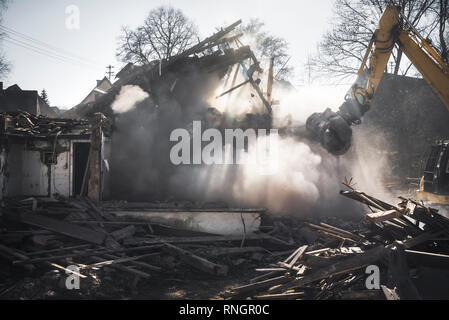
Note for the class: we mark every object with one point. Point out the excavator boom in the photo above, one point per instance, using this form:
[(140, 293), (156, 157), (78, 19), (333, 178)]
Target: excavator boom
[(428, 62), (333, 129)]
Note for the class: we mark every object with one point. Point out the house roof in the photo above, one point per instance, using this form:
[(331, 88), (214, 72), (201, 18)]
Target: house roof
[(125, 70), (102, 87), (14, 87), (21, 124), (14, 98)]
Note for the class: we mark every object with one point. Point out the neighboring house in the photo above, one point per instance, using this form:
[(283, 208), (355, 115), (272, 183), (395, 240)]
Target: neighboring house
[(101, 89), (126, 70), (14, 98)]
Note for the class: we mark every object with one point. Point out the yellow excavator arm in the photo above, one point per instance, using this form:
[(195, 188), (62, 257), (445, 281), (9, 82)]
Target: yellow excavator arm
[(333, 129), (394, 28)]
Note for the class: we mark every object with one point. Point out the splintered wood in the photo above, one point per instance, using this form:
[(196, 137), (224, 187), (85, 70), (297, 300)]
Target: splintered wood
[(383, 239)]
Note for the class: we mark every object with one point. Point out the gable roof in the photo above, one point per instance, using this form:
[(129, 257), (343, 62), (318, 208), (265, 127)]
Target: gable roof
[(101, 88), (125, 70), (14, 87)]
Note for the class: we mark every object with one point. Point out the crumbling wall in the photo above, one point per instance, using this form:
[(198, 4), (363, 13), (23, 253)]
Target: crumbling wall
[(411, 116), (26, 174)]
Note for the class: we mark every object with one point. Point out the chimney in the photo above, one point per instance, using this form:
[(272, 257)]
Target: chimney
[(1, 86)]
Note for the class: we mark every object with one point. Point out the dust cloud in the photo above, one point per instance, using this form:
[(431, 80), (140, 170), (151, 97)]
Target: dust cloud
[(307, 179), (127, 98)]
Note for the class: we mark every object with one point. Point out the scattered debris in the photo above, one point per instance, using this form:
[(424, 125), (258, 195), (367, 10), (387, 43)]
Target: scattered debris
[(337, 270), (322, 259)]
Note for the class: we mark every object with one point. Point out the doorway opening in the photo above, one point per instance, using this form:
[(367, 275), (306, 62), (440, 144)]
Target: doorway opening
[(80, 162)]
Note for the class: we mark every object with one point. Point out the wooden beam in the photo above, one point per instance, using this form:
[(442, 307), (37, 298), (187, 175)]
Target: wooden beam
[(124, 268), (354, 262), (64, 228), (382, 216), (299, 253), (427, 259), (118, 260), (196, 261), (281, 296), (94, 190), (261, 284)]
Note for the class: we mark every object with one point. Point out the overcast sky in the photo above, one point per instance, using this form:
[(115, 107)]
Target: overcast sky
[(300, 22)]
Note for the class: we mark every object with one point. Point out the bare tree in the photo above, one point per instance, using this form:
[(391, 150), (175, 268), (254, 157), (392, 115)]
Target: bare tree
[(341, 50), (441, 37), (165, 32), (268, 46), (5, 66)]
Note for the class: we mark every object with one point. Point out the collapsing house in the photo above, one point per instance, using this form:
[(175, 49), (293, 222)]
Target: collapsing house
[(177, 92), (88, 154), (52, 169)]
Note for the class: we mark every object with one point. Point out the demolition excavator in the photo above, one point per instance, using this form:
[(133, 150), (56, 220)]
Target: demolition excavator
[(333, 129)]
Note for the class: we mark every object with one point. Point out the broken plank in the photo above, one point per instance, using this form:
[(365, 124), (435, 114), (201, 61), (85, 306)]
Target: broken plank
[(347, 233), (205, 239), (263, 276), (64, 228), (295, 258), (137, 263), (349, 264), (281, 296), (126, 232), (116, 261), (196, 261), (125, 268), (271, 270), (87, 252), (382, 216), (331, 232), (261, 284), (236, 250), (67, 270), (427, 259)]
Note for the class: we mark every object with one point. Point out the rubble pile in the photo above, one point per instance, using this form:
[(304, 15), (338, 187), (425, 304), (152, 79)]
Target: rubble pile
[(331, 262), (39, 234), (293, 259)]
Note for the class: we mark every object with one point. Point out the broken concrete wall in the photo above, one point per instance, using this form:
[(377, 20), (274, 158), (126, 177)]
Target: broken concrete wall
[(27, 174)]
